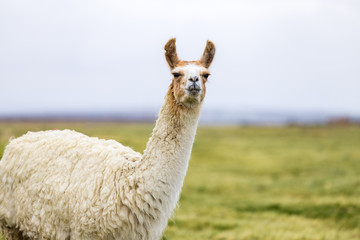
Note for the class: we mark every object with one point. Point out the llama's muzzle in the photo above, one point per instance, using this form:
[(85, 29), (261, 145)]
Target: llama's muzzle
[(194, 89)]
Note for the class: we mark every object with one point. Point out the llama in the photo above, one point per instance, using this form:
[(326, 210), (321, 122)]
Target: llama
[(66, 185)]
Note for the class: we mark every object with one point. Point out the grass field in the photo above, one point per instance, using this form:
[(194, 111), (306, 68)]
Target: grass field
[(254, 183)]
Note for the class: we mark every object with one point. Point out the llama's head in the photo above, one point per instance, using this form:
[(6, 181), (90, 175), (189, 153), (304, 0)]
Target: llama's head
[(190, 77)]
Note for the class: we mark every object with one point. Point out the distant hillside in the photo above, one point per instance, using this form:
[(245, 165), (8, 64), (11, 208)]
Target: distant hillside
[(208, 117)]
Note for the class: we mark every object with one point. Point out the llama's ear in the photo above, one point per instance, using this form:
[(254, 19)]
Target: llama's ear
[(170, 53), (208, 54)]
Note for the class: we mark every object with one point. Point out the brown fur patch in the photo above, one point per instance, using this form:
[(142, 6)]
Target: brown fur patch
[(203, 92), (176, 108), (171, 54), (13, 234), (184, 63), (208, 55)]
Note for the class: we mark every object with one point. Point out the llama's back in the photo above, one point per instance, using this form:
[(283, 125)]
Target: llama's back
[(50, 178)]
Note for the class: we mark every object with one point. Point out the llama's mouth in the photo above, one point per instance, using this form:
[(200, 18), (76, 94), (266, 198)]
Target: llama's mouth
[(194, 90)]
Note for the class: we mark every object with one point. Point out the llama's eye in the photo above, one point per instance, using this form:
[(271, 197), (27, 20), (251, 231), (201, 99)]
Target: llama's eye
[(176, 74), (206, 75)]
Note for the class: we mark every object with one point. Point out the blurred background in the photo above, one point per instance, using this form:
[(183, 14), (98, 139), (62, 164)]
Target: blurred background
[(276, 61), (277, 153)]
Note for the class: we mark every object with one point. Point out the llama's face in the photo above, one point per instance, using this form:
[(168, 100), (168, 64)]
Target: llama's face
[(189, 82), (189, 76)]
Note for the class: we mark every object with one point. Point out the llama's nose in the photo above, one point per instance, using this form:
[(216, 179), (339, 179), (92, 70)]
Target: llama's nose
[(194, 79)]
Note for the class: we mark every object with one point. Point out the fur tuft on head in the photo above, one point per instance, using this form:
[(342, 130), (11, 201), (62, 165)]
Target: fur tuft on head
[(170, 53), (208, 54)]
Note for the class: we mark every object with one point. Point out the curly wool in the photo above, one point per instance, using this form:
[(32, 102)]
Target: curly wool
[(89, 200)]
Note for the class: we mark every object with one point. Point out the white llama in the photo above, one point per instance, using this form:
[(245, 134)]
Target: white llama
[(65, 185)]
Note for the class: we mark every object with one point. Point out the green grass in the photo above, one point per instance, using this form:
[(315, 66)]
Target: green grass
[(254, 183)]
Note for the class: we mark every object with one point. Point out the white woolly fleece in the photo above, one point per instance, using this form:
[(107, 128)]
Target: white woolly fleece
[(66, 185)]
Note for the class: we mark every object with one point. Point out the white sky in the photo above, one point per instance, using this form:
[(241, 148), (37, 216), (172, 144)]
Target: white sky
[(101, 56)]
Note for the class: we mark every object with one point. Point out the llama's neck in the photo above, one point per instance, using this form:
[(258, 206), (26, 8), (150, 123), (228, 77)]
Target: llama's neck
[(166, 157)]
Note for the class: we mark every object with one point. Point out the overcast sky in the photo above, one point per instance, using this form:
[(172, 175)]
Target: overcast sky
[(107, 56)]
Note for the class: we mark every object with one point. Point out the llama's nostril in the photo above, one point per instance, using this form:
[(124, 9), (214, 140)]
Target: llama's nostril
[(194, 79)]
